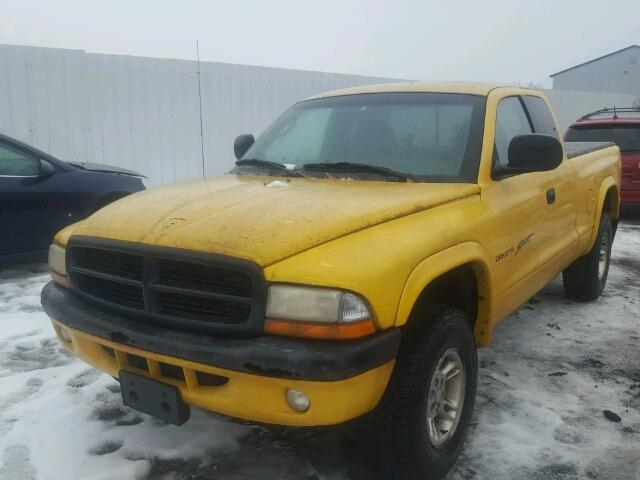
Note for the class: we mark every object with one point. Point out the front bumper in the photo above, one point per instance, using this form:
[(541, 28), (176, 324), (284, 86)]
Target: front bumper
[(342, 379)]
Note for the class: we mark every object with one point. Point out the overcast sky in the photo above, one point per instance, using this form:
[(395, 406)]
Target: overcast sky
[(503, 40)]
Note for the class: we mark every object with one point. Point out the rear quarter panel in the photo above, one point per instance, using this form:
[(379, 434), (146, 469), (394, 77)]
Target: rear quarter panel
[(596, 173)]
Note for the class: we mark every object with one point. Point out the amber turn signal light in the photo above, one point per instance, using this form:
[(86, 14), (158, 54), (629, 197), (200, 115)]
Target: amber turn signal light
[(57, 265), (321, 331), (62, 280)]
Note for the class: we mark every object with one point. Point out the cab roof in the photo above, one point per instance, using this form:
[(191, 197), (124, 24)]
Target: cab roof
[(472, 88)]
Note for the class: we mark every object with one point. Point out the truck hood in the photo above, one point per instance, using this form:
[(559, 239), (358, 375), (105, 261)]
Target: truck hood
[(263, 219)]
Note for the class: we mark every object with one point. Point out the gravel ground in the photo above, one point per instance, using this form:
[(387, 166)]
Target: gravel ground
[(553, 367)]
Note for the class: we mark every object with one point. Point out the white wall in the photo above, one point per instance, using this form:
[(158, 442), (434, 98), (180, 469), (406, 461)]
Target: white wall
[(142, 113), (569, 105)]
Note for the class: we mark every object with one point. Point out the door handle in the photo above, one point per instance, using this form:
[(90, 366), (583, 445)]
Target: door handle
[(551, 196)]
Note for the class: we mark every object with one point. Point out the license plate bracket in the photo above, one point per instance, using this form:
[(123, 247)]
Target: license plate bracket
[(155, 398)]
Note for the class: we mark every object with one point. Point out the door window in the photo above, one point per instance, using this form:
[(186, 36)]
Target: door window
[(511, 120), (14, 163), (540, 115)]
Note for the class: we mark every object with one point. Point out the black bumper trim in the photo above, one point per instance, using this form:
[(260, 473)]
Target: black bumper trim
[(267, 355)]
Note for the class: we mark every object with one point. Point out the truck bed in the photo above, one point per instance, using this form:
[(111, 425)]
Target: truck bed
[(580, 148)]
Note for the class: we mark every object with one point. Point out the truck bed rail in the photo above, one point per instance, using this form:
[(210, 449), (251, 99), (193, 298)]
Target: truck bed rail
[(580, 148)]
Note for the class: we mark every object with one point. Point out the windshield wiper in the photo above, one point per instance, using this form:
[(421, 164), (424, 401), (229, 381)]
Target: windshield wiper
[(256, 162), (358, 168)]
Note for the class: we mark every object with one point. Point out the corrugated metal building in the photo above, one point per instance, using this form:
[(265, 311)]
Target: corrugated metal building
[(143, 113), (617, 72), (570, 105)]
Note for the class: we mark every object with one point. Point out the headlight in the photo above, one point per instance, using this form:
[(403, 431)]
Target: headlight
[(311, 304), (317, 312), (57, 265)]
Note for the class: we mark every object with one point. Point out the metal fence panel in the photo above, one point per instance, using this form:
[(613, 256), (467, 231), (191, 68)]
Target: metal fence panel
[(143, 113)]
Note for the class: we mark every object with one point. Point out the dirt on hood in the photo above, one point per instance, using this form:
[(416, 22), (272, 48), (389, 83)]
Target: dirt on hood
[(263, 219)]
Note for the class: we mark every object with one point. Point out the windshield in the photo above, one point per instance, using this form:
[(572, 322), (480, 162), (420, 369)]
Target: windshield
[(627, 137), (423, 136)]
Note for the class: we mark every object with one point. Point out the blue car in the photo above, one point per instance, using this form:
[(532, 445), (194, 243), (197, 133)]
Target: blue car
[(40, 194)]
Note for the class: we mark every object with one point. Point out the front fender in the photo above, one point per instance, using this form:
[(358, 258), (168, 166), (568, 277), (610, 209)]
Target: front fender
[(62, 236), (467, 253)]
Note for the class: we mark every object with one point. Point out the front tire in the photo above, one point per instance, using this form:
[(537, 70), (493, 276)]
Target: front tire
[(422, 420), (586, 277)]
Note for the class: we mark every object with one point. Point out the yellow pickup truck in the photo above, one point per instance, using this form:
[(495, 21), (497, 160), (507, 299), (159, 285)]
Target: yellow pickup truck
[(350, 263)]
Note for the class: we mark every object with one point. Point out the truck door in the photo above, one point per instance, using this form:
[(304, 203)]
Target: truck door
[(525, 214), (562, 207)]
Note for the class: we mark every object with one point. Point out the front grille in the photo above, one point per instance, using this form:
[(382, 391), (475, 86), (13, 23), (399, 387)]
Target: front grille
[(137, 362), (201, 308), (182, 290), (153, 368), (210, 380), (112, 291), (109, 262), (171, 371), (203, 277)]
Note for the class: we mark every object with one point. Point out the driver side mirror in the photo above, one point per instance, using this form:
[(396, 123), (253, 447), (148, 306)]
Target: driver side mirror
[(46, 169), (242, 144), (533, 152)]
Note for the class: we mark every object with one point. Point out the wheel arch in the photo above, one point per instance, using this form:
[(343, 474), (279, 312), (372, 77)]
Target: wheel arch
[(608, 202), (458, 276)]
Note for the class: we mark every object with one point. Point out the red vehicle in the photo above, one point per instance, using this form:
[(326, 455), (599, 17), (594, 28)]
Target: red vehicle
[(622, 127)]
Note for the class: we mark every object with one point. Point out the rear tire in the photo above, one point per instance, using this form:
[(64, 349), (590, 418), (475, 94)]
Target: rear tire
[(586, 277), (421, 393)]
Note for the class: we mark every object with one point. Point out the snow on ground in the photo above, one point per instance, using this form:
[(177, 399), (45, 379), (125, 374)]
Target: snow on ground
[(553, 367)]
